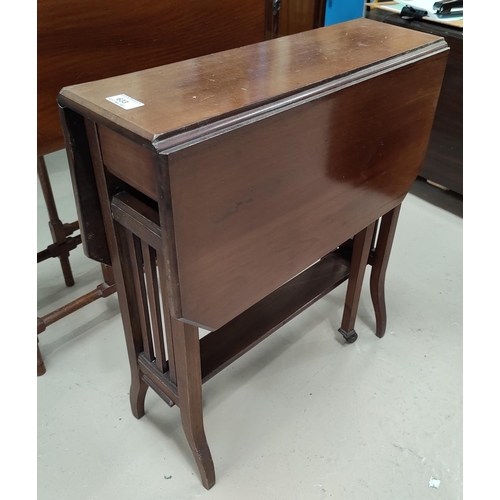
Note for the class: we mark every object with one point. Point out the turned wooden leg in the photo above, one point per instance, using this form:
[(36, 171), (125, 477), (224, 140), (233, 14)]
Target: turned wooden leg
[(188, 369), (379, 268), (57, 228), (359, 261), (40, 364)]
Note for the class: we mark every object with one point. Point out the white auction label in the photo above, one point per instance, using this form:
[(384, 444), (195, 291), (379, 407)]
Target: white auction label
[(125, 101)]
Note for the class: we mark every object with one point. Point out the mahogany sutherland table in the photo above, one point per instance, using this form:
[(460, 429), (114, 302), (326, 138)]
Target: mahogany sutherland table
[(233, 190)]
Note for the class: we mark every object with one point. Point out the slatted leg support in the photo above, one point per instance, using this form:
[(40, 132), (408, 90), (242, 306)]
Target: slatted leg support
[(133, 312), (153, 336)]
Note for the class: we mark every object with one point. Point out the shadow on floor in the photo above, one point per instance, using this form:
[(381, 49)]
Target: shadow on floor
[(447, 200)]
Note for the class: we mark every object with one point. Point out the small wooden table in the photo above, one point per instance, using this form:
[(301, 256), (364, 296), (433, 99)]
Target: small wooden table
[(231, 191)]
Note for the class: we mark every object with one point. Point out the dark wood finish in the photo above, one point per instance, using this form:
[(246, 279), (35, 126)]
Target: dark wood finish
[(443, 163), (296, 16), (160, 382), (59, 250), (137, 266), (444, 160), (143, 220), (162, 270), (362, 182), (225, 345), (116, 239), (319, 13), (149, 256), (62, 244), (102, 290), (188, 368), (130, 307), (220, 348), (266, 192), (361, 250), (293, 69), (81, 42), (379, 268), (243, 177)]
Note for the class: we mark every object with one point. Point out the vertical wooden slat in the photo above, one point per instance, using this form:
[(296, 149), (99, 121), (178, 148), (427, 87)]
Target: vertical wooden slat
[(168, 320), (136, 263), (149, 257)]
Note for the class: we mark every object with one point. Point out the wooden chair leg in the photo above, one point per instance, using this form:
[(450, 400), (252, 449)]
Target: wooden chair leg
[(359, 261), (379, 268), (188, 371)]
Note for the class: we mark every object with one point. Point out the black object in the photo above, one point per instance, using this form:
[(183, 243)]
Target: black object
[(449, 8), (408, 12)]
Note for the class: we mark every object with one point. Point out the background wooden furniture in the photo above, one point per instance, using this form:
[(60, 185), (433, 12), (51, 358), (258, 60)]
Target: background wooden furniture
[(296, 16), (84, 41), (242, 189), (444, 160)]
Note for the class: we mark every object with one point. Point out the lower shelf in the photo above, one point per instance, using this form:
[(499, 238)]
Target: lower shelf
[(223, 346)]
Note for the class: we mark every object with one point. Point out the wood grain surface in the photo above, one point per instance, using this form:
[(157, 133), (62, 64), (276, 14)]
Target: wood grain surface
[(254, 207), (188, 94)]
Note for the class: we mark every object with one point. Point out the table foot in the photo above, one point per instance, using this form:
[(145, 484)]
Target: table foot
[(199, 446), (138, 391), (350, 337), (359, 260), (188, 367)]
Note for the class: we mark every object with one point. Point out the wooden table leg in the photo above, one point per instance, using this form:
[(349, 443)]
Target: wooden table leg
[(57, 228), (379, 268), (130, 306), (360, 254), (40, 364), (188, 371)]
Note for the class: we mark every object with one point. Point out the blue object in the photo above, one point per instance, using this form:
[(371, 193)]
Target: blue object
[(338, 11)]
